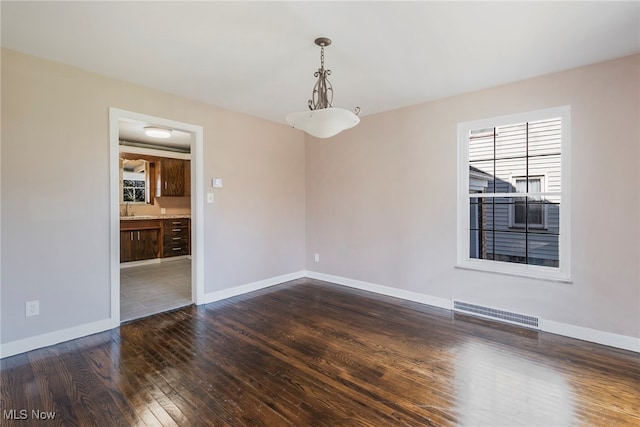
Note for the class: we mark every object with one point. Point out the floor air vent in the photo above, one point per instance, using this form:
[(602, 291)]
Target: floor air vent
[(492, 313)]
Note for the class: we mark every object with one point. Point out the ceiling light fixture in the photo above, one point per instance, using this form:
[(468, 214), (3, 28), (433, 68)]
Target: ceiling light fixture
[(157, 132), (323, 121)]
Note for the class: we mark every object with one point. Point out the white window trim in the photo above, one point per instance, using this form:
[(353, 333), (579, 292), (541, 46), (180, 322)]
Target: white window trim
[(559, 274)]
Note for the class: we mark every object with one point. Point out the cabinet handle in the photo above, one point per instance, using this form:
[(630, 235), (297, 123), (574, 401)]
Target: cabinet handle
[(177, 238), (176, 249), (177, 229), (165, 185), (176, 223), (138, 235), (131, 233)]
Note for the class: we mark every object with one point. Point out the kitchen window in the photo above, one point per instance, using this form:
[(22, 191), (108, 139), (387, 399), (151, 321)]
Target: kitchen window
[(513, 194), (135, 181), (133, 191)]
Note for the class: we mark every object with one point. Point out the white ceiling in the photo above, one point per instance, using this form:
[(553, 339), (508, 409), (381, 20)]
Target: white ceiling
[(259, 58)]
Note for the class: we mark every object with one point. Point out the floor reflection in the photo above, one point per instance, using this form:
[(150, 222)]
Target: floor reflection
[(495, 387)]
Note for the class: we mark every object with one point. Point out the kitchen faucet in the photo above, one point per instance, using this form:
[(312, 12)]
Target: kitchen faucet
[(126, 210)]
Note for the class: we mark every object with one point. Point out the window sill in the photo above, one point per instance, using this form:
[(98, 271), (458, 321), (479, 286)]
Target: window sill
[(527, 272)]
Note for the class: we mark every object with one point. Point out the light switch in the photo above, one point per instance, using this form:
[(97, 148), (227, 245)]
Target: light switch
[(216, 182), (209, 197)]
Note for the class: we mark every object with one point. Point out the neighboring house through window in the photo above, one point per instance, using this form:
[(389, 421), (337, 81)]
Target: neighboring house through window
[(513, 194), (529, 211)]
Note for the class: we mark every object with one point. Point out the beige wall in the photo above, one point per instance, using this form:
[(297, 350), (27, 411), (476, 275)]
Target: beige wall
[(381, 199), (55, 227), (378, 202)]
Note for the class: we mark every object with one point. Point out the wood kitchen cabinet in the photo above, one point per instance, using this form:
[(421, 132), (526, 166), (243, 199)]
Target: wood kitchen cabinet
[(176, 237), (170, 178), (139, 240), (187, 177)]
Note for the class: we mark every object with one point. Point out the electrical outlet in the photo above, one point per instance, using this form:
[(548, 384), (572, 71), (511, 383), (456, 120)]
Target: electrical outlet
[(317, 258), (32, 308)]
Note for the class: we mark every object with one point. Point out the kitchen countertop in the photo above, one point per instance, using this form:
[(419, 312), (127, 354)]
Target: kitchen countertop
[(140, 217)]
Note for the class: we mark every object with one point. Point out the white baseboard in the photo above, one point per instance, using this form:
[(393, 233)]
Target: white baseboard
[(44, 340), (592, 335), (384, 290), (153, 261), (140, 263), (572, 331), (586, 334), (51, 338), (250, 287)]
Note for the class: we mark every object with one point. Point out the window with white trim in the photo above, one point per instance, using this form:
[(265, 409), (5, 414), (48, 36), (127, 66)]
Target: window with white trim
[(513, 194), (135, 181)]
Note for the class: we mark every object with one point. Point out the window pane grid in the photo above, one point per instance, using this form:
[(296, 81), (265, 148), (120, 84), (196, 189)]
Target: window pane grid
[(515, 200)]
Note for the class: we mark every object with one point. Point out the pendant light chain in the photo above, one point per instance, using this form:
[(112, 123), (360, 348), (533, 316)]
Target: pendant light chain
[(322, 96)]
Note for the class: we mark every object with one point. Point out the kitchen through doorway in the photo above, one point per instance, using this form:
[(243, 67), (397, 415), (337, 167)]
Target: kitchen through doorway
[(154, 233)]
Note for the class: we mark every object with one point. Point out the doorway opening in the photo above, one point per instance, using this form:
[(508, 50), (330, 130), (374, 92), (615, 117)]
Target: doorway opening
[(156, 216)]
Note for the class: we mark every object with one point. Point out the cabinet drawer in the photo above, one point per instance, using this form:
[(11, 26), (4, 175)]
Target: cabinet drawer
[(139, 224), (176, 223), (176, 232), (175, 248), (179, 250), (175, 237)]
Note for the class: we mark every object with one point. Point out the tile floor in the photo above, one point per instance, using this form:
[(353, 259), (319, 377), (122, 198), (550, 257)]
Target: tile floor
[(153, 288)]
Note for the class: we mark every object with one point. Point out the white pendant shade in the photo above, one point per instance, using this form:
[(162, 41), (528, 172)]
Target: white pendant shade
[(324, 122)]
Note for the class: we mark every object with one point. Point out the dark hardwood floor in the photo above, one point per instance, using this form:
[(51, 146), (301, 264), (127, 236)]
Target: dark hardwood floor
[(312, 353)]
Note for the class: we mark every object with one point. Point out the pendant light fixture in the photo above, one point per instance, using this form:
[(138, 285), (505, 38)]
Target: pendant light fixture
[(323, 120)]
